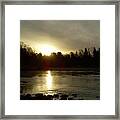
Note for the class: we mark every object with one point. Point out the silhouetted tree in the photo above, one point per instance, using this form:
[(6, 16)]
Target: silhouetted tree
[(29, 60)]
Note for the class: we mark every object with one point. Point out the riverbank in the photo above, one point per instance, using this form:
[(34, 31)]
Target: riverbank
[(60, 96)]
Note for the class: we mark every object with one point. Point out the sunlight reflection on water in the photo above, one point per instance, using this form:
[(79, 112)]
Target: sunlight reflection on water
[(82, 83), (49, 80)]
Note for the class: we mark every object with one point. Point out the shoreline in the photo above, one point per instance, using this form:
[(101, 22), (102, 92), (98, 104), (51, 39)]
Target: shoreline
[(57, 96), (64, 69)]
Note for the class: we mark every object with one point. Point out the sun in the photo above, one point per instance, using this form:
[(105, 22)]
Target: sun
[(46, 49)]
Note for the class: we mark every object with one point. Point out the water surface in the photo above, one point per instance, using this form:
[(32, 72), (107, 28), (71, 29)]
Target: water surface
[(84, 83)]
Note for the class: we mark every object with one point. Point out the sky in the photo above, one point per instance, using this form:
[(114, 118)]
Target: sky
[(61, 35)]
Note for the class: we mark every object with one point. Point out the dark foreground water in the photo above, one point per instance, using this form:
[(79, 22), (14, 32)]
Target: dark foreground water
[(77, 84)]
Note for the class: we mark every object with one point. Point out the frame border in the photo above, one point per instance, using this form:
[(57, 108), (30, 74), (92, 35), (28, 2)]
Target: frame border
[(55, 2)]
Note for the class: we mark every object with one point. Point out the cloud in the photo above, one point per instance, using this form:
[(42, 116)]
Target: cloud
[(68, 34)]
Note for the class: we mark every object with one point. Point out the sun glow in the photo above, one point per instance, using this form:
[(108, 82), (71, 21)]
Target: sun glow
[(46, 49)]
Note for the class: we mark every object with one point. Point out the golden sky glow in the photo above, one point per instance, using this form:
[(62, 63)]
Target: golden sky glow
[(45, 49), (46, 36)]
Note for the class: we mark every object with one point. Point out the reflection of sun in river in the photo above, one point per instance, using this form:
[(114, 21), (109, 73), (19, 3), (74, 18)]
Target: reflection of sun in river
[(49, 80)]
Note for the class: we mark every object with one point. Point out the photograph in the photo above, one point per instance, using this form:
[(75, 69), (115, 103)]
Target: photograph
[(59, 59)]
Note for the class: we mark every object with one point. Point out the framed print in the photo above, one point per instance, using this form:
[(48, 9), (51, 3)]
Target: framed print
[(60, 59)]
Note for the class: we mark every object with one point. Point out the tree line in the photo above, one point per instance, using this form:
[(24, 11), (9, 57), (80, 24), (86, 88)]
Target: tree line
[(30, 60)]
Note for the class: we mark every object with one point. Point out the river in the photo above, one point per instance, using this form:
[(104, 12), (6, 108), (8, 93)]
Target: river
[(85, 83)]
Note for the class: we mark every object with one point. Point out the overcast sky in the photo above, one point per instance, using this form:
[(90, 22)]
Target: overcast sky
[(65, 35)]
